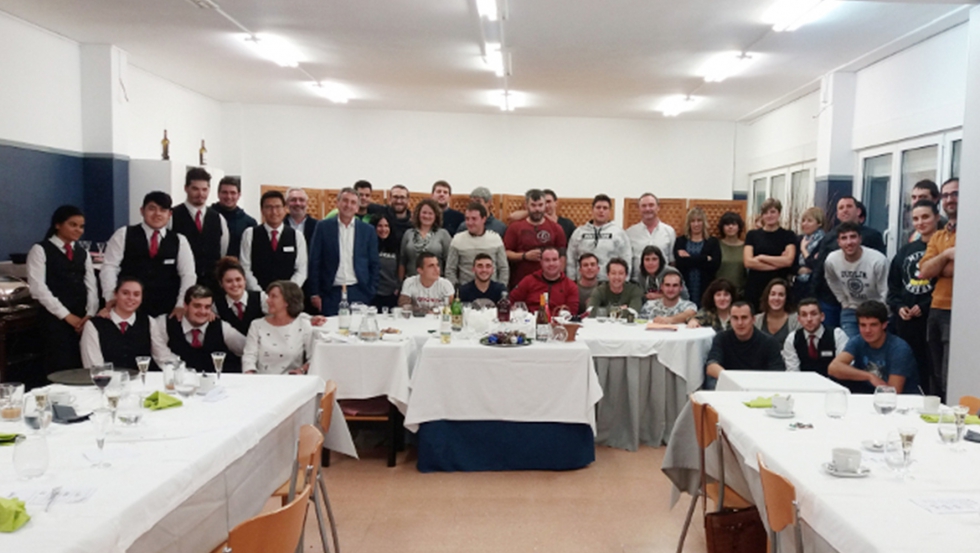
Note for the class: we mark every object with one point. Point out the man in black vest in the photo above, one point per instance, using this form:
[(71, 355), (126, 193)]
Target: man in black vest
[(195, 337), (814, 346), (296, 201), (161, 260), (273, 250), (124, 334), (205, 230)]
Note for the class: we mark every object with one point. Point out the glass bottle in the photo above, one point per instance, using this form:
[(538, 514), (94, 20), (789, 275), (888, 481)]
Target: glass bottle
[(446, 324), (542, 323), (203, 154), (369, 330), (503, 308), (166, 146), (343, 312), (457, 313)]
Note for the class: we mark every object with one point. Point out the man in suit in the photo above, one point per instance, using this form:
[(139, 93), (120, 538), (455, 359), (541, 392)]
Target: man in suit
[(206, 231), (344, 251), (299, 220)]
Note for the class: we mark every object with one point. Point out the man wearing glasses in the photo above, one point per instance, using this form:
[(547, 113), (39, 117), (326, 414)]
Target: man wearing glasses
[(273, 250), (938, 263), (398, 211)]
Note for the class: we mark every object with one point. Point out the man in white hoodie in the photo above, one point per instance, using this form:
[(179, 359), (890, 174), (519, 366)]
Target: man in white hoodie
[(600, 237)]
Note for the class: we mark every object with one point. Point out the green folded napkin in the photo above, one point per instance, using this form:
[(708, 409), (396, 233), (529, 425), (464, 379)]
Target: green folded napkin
[(8, 439), (970, 419), (760, 403), (13, 514), (160, 400)]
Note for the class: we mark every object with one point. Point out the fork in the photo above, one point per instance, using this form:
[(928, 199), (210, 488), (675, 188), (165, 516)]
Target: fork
[(51, 498)]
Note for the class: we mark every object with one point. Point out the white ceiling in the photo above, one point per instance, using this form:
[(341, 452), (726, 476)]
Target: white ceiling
[(615, 58)]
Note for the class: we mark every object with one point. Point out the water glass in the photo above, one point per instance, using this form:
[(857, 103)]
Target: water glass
[(101, 420), (11, 401), (130, 411), (946, 426), (37, 410), (885, 399), (30, 456), (835, 403), (187, 382), (602, 314)]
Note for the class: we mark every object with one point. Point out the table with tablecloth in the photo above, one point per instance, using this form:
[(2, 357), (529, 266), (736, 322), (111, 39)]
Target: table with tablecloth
[(178, 482), (480, 407), (364, 370)]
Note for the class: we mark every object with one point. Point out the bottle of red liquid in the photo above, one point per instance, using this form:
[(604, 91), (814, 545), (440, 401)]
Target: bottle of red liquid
[(503, 308)]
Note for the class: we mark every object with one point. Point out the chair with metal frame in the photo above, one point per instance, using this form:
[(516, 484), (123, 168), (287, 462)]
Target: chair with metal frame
[(278, 531), (781, 506)]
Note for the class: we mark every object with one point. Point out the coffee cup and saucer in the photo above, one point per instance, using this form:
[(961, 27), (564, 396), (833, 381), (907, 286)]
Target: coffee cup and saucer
[(846, 463), (930, 405), (782, 407)]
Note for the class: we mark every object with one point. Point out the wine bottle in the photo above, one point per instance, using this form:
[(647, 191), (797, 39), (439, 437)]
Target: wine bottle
[(166, 146), (457, 313), (503, 308), (203, 154), (542, 323), (343, 312), (446, 323)]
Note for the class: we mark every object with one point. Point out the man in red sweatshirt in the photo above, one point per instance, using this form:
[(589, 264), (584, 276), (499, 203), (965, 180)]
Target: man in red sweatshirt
[(562, 291)]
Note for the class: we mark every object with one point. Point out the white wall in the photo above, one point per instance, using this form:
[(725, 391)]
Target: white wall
[(918, 91), (577, 157), (785, 136), (40, 87)]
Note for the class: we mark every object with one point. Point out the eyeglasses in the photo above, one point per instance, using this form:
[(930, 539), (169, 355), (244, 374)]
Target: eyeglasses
[(953, 194)]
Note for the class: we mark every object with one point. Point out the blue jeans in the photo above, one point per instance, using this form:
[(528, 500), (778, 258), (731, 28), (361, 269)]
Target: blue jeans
[(831, 314), (849, 322)]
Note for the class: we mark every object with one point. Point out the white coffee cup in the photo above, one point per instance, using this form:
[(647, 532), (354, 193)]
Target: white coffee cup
[(396, 312), (208, 380), (846, 459), (930, 404), (782, 404), (61, 397)]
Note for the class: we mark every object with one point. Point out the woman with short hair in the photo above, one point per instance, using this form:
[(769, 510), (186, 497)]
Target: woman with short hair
[(238, 307), (731, 228), (716, 306), (282, 341), (811, 237), (697, 254), (426, 235), (770, 251)]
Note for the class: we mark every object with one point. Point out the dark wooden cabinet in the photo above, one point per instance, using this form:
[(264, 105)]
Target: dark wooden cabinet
[(22, 347)]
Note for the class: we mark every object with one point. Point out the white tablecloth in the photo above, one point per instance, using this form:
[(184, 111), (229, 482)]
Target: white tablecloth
[(364, 370), (178, 482), (775, 381), (871, 514), (543, 382)]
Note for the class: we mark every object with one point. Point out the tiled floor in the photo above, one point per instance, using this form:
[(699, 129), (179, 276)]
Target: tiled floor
[(618, 504)]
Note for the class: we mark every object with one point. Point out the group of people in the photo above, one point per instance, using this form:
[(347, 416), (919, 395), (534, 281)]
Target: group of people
[(192, 277)]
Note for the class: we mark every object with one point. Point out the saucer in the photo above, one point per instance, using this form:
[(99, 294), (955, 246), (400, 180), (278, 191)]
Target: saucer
[(773, 413), (922, 411), (831, 470), (872, 445)]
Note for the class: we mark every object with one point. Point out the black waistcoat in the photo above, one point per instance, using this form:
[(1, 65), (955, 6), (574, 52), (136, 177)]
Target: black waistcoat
[(122, 349), (66, 279), (252, 311), (161, 281), (826, 351), (205, 244), (199, 359), (268, 265)]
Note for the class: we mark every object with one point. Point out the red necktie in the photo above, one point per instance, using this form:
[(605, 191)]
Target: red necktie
[(275, 240), (197, 221), (154, 244), (123, 326), (813, 346), (69, 252), (241, 311), (196, 338)]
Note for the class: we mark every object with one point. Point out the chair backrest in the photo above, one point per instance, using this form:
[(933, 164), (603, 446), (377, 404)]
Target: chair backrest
[(779, 495), (705, 423), (310, 447), (278, 531), (973, 402), (326, 405)]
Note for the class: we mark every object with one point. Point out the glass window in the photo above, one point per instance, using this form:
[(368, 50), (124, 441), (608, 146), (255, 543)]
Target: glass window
[(799, 197), (954, 169), (917, 165), (877, 178), (758, 194), (777, 190)]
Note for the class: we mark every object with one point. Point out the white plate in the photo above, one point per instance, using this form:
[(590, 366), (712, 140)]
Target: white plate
[(861, 473), (773, 413), (872, 445)]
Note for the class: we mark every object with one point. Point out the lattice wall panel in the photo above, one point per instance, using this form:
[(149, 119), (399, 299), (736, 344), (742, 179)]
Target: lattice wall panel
[(673, 211), (631, 212), (459, 203), (510, 203), (714, 209), (378, 197)]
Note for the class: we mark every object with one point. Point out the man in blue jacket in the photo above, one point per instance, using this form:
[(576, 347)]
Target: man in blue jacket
[(344, 252)]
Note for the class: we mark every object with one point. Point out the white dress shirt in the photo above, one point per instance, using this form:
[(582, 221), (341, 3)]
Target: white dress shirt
[(298, 227), (792, 361), (116, 248), (193, 209), (234, 340), (663, 236), (244, 301), (92, 346), (273, 349), (37, 279), (345, 270), (245, 256)]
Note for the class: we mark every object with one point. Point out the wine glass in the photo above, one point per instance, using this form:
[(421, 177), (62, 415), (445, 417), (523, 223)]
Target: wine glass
[(101, 376), (143, 364), (218, 358), (100, 246), (30, 456), (835, 403), (907, 436), (101, 418), (118, 383), (86, 245)]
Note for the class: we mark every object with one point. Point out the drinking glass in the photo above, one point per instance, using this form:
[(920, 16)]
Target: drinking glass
[(130, 411), (946, 426), (835, 403), (37, 411), (101, 419), (218, 358), (101, 247), (187, 383), (885, 399), (894, 455), (11, 401), (30, 456), (601, 314), (101, 376), (143, 364), (118, 383), (86, 245), (907, 436)]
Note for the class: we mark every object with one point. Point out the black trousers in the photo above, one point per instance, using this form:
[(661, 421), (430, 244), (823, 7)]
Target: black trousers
[(937, 333)]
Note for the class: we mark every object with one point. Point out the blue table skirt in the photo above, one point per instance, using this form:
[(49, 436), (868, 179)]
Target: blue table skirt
[(501, 445)]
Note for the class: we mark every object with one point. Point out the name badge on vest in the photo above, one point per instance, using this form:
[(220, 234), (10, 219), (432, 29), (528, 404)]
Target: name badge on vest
[(169, 261), (288, 249), (827, 353)]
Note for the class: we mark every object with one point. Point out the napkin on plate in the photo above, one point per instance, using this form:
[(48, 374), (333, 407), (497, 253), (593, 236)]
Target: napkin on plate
[(13, 514), (759, 403), (159, 400), (970, 419), (8, 439)]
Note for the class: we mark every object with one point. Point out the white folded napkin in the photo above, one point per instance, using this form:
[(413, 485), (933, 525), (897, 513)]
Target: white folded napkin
[(393, 337), (216, 394), (335, 337)]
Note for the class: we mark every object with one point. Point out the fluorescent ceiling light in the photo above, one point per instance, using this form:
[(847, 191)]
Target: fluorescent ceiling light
[(790, 15), (675, 105), (494, 57), (508, 100), (274, 49), (336, 93), (725, 65), (487, 9)]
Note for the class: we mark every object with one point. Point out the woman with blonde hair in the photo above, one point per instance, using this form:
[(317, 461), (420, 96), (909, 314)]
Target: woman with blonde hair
[(770, 251), (697, 254), (426, 235), (811, 236)]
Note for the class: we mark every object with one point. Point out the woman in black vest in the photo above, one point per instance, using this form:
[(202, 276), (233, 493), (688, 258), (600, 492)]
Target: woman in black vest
[(61, 278), (237, 306), (124, 334)]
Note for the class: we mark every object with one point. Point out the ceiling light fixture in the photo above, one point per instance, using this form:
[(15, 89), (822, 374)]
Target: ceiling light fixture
[(675, 105), (336, 93), (494, 58), (508, 100), (725, 65), (487, 9), (274, 49), (790, 15)]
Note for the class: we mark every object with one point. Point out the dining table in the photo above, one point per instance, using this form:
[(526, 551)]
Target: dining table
[(176, 482)]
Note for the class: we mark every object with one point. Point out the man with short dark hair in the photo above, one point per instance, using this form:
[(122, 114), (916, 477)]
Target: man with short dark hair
[(741, 347), (482, 196), (161, 260), (229, 192), (650, 231), (197, 335), (442, 193), (205, 230), (550, 213), (814, 346), (299, 220), (273, 250), (527, 238), (550, 279), (588, 279), (875, 357), (426, 290), (365, 208), (855, 274), (398, 212), (670, 308), (600, 236), (477, 239), (482, 285), (938, 262)]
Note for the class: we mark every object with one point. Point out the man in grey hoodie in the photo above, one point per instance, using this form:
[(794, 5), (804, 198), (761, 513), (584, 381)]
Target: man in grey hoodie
[(600, 237)]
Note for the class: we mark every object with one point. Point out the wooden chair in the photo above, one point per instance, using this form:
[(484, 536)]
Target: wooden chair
[(376, 411), (973, 402), (278, 531), (706, 430), (781, 507)]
